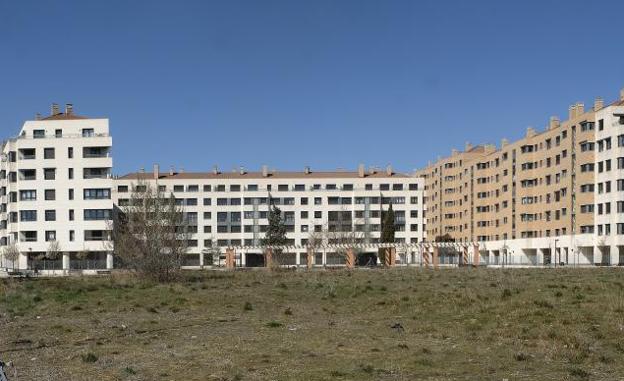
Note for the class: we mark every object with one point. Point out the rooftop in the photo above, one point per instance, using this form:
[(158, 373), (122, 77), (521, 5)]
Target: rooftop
[(262, 175)]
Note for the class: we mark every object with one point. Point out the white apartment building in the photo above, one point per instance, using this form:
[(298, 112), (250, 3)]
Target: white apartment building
[(55, 186), (230, 209), (609, 187)]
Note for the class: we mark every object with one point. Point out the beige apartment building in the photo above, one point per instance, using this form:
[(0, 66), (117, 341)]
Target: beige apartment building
[(533, 194)]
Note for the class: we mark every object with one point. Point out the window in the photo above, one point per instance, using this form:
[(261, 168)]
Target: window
[(72, 236), (252, 187), (178, 188), (50, 215), (58, 133), (71, 214), (370, 186), (97, 214), (192, 188), (97, 194), (71, 194), (28, 215), (71, 173), (413, 187), (28, 195), (38, 134), (88, 132), (282, 187), (95, 235), (49, 173), (70, 152), (49, 194), (384, 187), (318, 214), (48, 153), (207, 201), (28, 236), (397, 187), (207, 188), (122, 188), (50, 235), (331, 187)]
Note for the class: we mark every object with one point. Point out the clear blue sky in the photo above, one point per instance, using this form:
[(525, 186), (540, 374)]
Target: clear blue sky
[(292, 83)]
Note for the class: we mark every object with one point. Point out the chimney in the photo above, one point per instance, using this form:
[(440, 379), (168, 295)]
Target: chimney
[(215, 170), (530, 132), (598, 104), (55, 109), (554, 122), (37, 116), (572, 112), (580, 108), (171, 171), (265, 171), (142, 170), (454, 152), (156, 171), (622, 95), (389, 170), (69, 109), (467, 147), (361, 170), (306, 170), (504, 142), (241, 170)]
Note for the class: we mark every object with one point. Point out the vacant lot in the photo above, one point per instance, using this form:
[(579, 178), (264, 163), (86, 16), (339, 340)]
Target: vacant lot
[(401, 324)]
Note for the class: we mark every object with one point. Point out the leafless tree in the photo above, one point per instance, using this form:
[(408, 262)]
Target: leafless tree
[(11, 253), (341, 233), (150, 234), (54, 250)]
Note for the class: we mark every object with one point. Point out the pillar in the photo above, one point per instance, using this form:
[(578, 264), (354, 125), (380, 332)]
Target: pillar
[(109, 261), (201, 259), (597, 255), (425, 257), (615, 255), (310, 258), (464, 260), (475, 253), (350, 258), (22, 261), (297, 259), (268, 257), (436, 257), (65, 261), (229, 258), (324, 258), (540, 257)]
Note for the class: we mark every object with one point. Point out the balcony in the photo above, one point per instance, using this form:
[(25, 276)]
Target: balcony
[(96, 152)]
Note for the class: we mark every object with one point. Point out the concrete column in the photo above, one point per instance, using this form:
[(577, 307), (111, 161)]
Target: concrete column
[(109, 261), (22, 261), (597, 255), (391, 255), (436, 257), (464, 260), (243, 259), (476, 257), (297, 259), (615, 255), (310, 258), (201, 259), (324, 257), (65, 261), (540, 257)]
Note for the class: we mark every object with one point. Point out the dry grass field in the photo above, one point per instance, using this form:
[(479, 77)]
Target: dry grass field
[(400, 324)]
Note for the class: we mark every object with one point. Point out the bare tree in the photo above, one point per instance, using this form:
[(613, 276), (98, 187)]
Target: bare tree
[(150, 234), (54, 250), (11, 253), (342, 233)]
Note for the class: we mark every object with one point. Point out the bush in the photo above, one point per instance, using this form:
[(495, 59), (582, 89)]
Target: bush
[(89, 357)]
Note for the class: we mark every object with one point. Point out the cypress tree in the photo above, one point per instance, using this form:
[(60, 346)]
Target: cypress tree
[(387, 226)]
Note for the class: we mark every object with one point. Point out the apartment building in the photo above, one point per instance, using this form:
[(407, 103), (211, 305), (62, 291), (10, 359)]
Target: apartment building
[(55, 187), (230, 209), (534, 200)]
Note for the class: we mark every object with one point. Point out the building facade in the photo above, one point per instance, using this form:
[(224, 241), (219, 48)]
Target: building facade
[(549, 197), (55, 192), (230, 209)]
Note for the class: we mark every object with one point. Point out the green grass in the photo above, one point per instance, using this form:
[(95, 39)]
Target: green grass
[(400, 324)]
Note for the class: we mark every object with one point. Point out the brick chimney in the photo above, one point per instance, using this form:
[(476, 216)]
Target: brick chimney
[(467, 147), (361, 170), (55, 109), (572, 112), (389, 170), (554, 122), (598, 104), (156, 171), (265, 171), (580, 108)]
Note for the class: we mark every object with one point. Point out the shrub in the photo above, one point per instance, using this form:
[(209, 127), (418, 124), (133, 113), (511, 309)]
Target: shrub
[(89, 357), (248, 307)]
